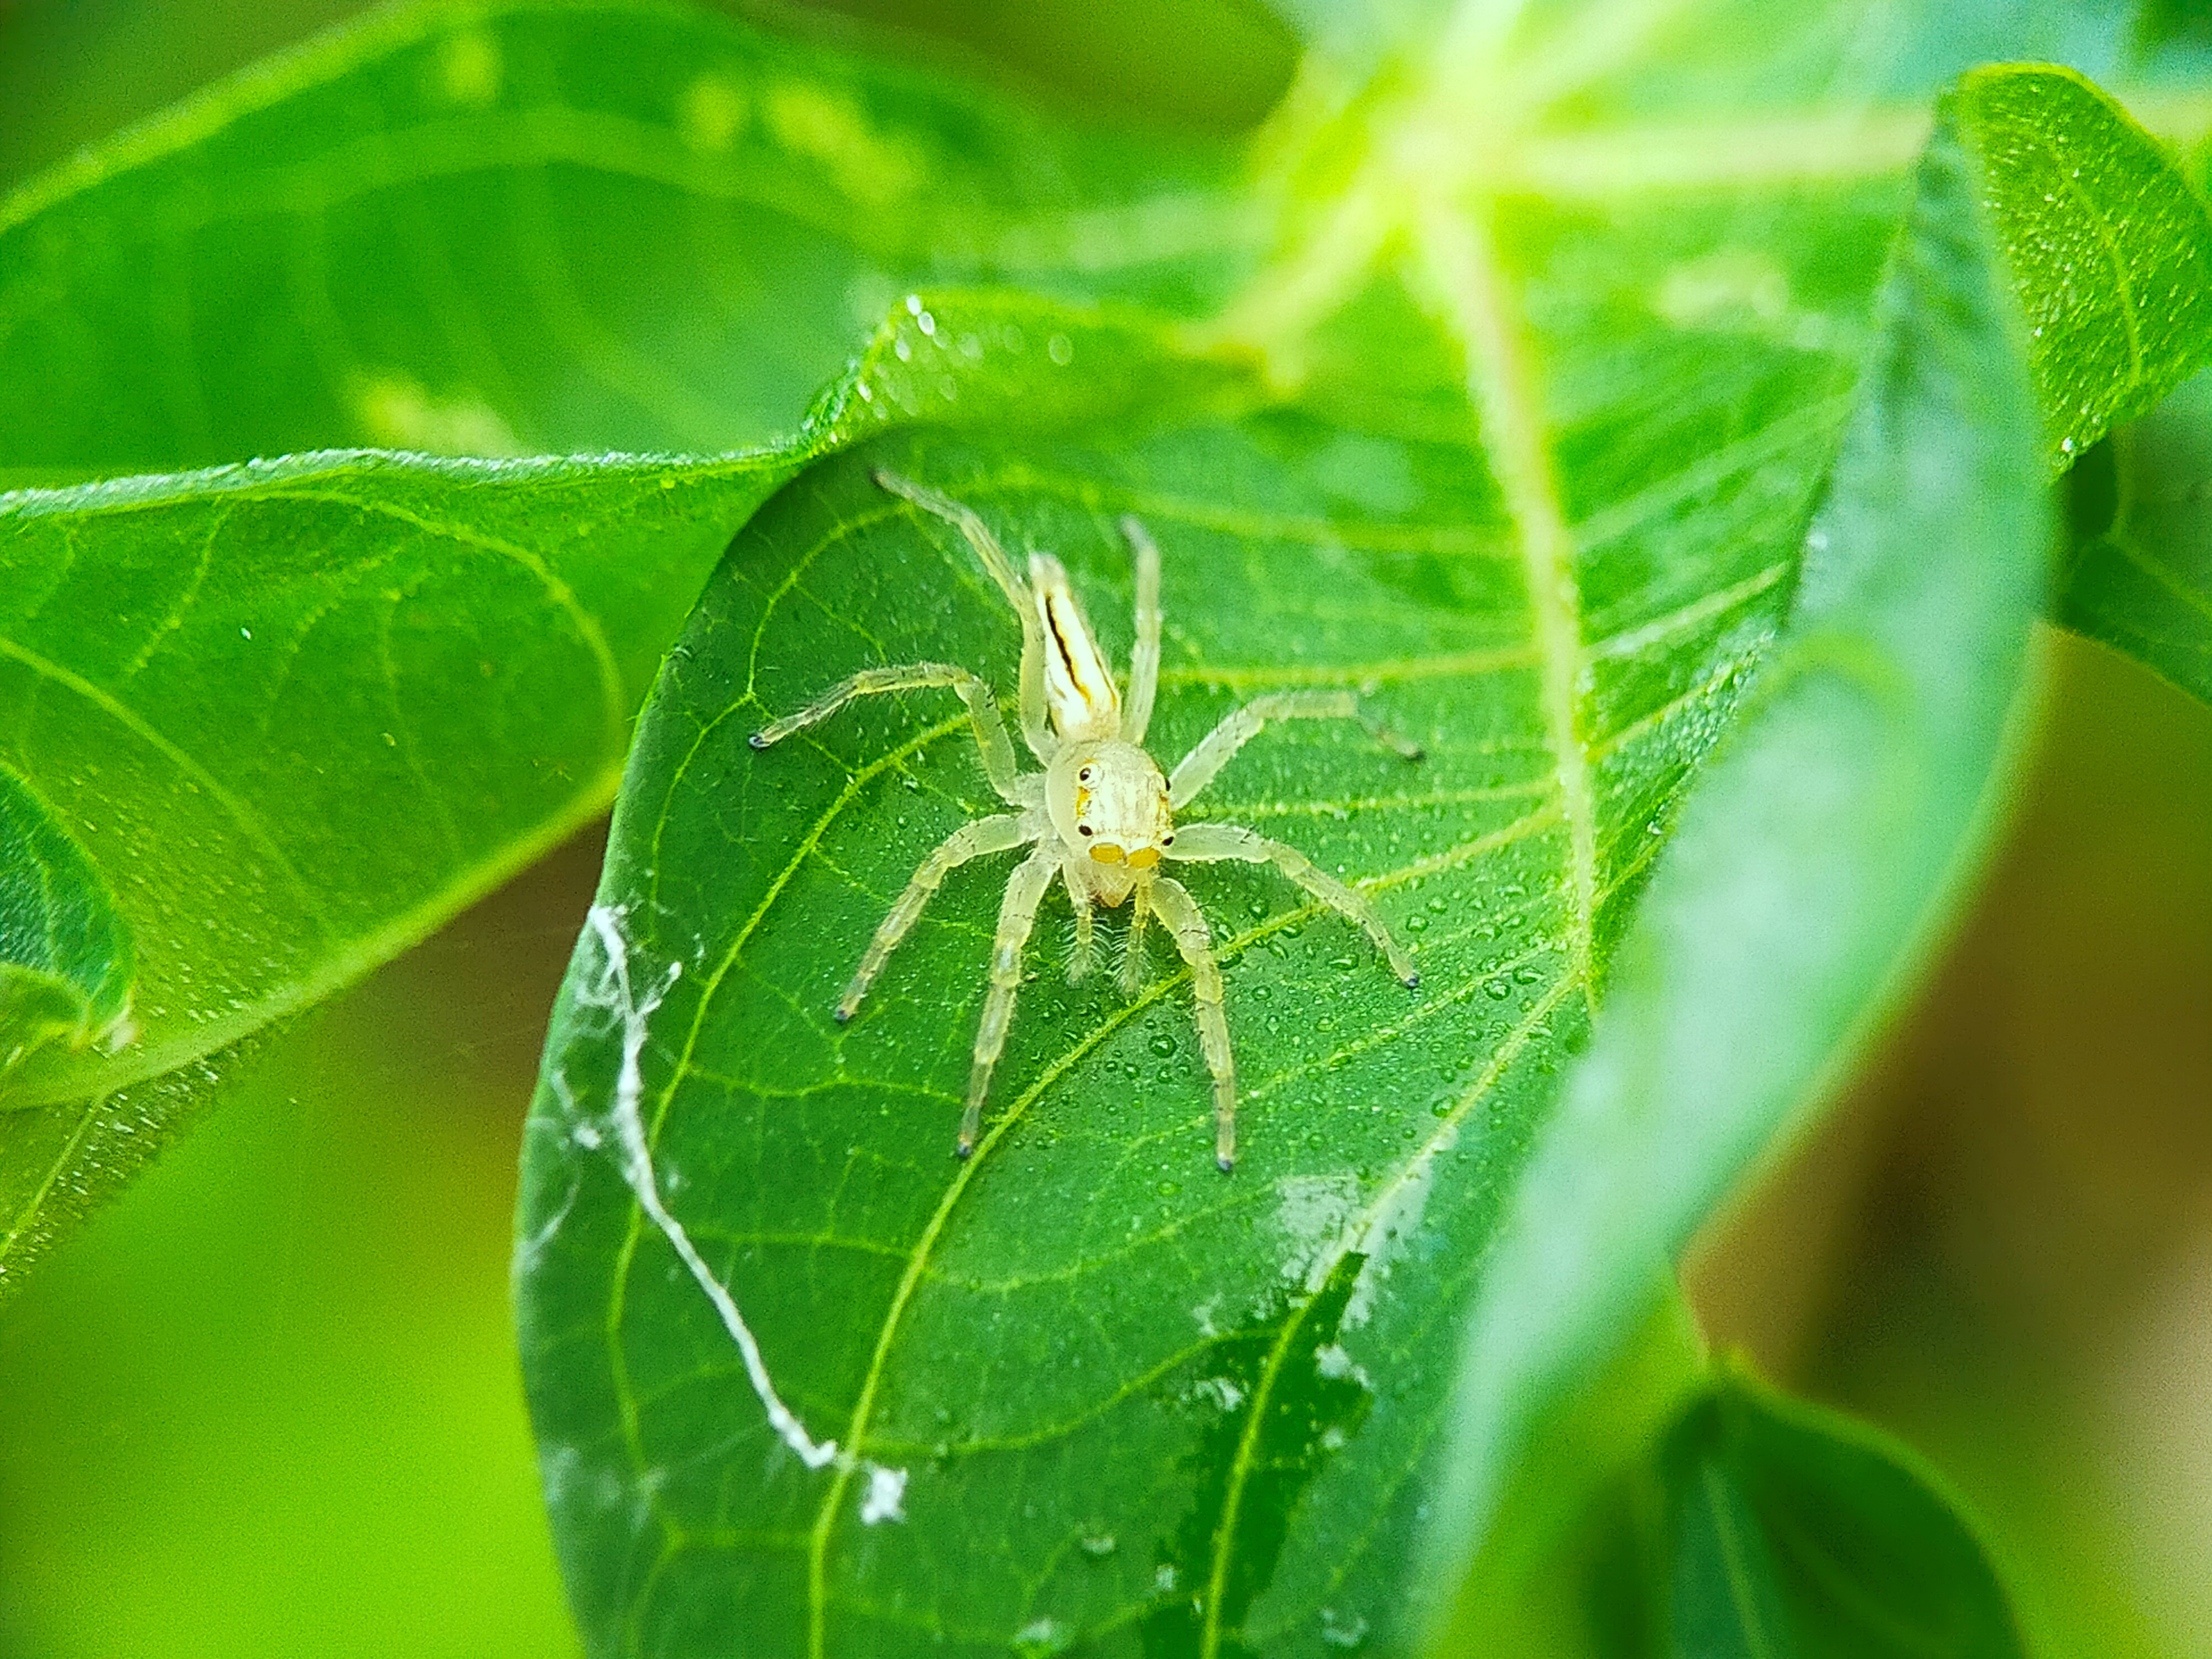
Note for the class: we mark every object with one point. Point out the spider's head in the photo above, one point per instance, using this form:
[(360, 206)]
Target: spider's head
[(1109, 805)]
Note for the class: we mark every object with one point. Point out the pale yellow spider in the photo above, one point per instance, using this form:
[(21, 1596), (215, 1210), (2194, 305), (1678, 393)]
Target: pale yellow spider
[(1101, 813)]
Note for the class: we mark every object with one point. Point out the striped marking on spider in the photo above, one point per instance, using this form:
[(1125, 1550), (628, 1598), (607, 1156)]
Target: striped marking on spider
[(1100, 815)]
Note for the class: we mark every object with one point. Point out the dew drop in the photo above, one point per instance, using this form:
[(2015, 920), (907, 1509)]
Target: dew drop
[(1497, 990), (1163, 1045)]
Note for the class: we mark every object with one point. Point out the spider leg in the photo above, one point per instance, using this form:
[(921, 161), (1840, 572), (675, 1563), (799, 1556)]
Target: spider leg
[(1180, 913), (1213, 843), (1213, 752), (1085, 956), (982, 715), (1036, 729), (1000, 833), (1145, 655), (1024, 889), (1132, 976)]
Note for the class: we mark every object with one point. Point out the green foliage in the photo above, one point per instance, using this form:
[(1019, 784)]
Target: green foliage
[(64, 954), (1510, 377), (446, 206), (1125, 1404), (298, 713), (1789, 1531), (952, 1318), (2109, 246), (1820, 845), (2142, 580)]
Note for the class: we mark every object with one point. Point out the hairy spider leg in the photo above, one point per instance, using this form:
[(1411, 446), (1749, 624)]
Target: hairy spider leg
[(1085, 956), (1016, 914), (1132, 976), (1212, 751), (1036, 732), (1144, 654), (1206, 843), (1000, 833), (1180, 913), (983, 715)]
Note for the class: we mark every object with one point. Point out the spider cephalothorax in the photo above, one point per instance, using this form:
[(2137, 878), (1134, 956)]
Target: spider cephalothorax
[(1101, 814)]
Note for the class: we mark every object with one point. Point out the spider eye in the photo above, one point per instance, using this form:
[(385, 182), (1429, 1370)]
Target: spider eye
[(1084, 776), (1082, 829)]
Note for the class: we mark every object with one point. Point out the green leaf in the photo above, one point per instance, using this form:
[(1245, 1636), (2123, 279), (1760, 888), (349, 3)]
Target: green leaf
[(65, 955), (1792, 1533), (376, 689), (1817, 856), (2110, 248), (299, 712), (947, 1320), (530, 228), (2142, 583)]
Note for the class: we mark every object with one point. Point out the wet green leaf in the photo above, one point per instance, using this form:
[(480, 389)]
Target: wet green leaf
[(2109, 246), (1792, 1533)]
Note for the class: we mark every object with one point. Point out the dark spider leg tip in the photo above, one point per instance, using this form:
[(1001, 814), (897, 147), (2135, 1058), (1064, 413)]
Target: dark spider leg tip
[(1413, 982), (1226, 1165), (963, 1150), (842, 1015), (758, 741)]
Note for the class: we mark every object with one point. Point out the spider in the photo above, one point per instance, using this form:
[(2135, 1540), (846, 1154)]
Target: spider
[(1101, 814)]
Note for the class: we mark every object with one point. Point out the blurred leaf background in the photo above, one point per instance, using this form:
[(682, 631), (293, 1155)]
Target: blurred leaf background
[(267, 1403)]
